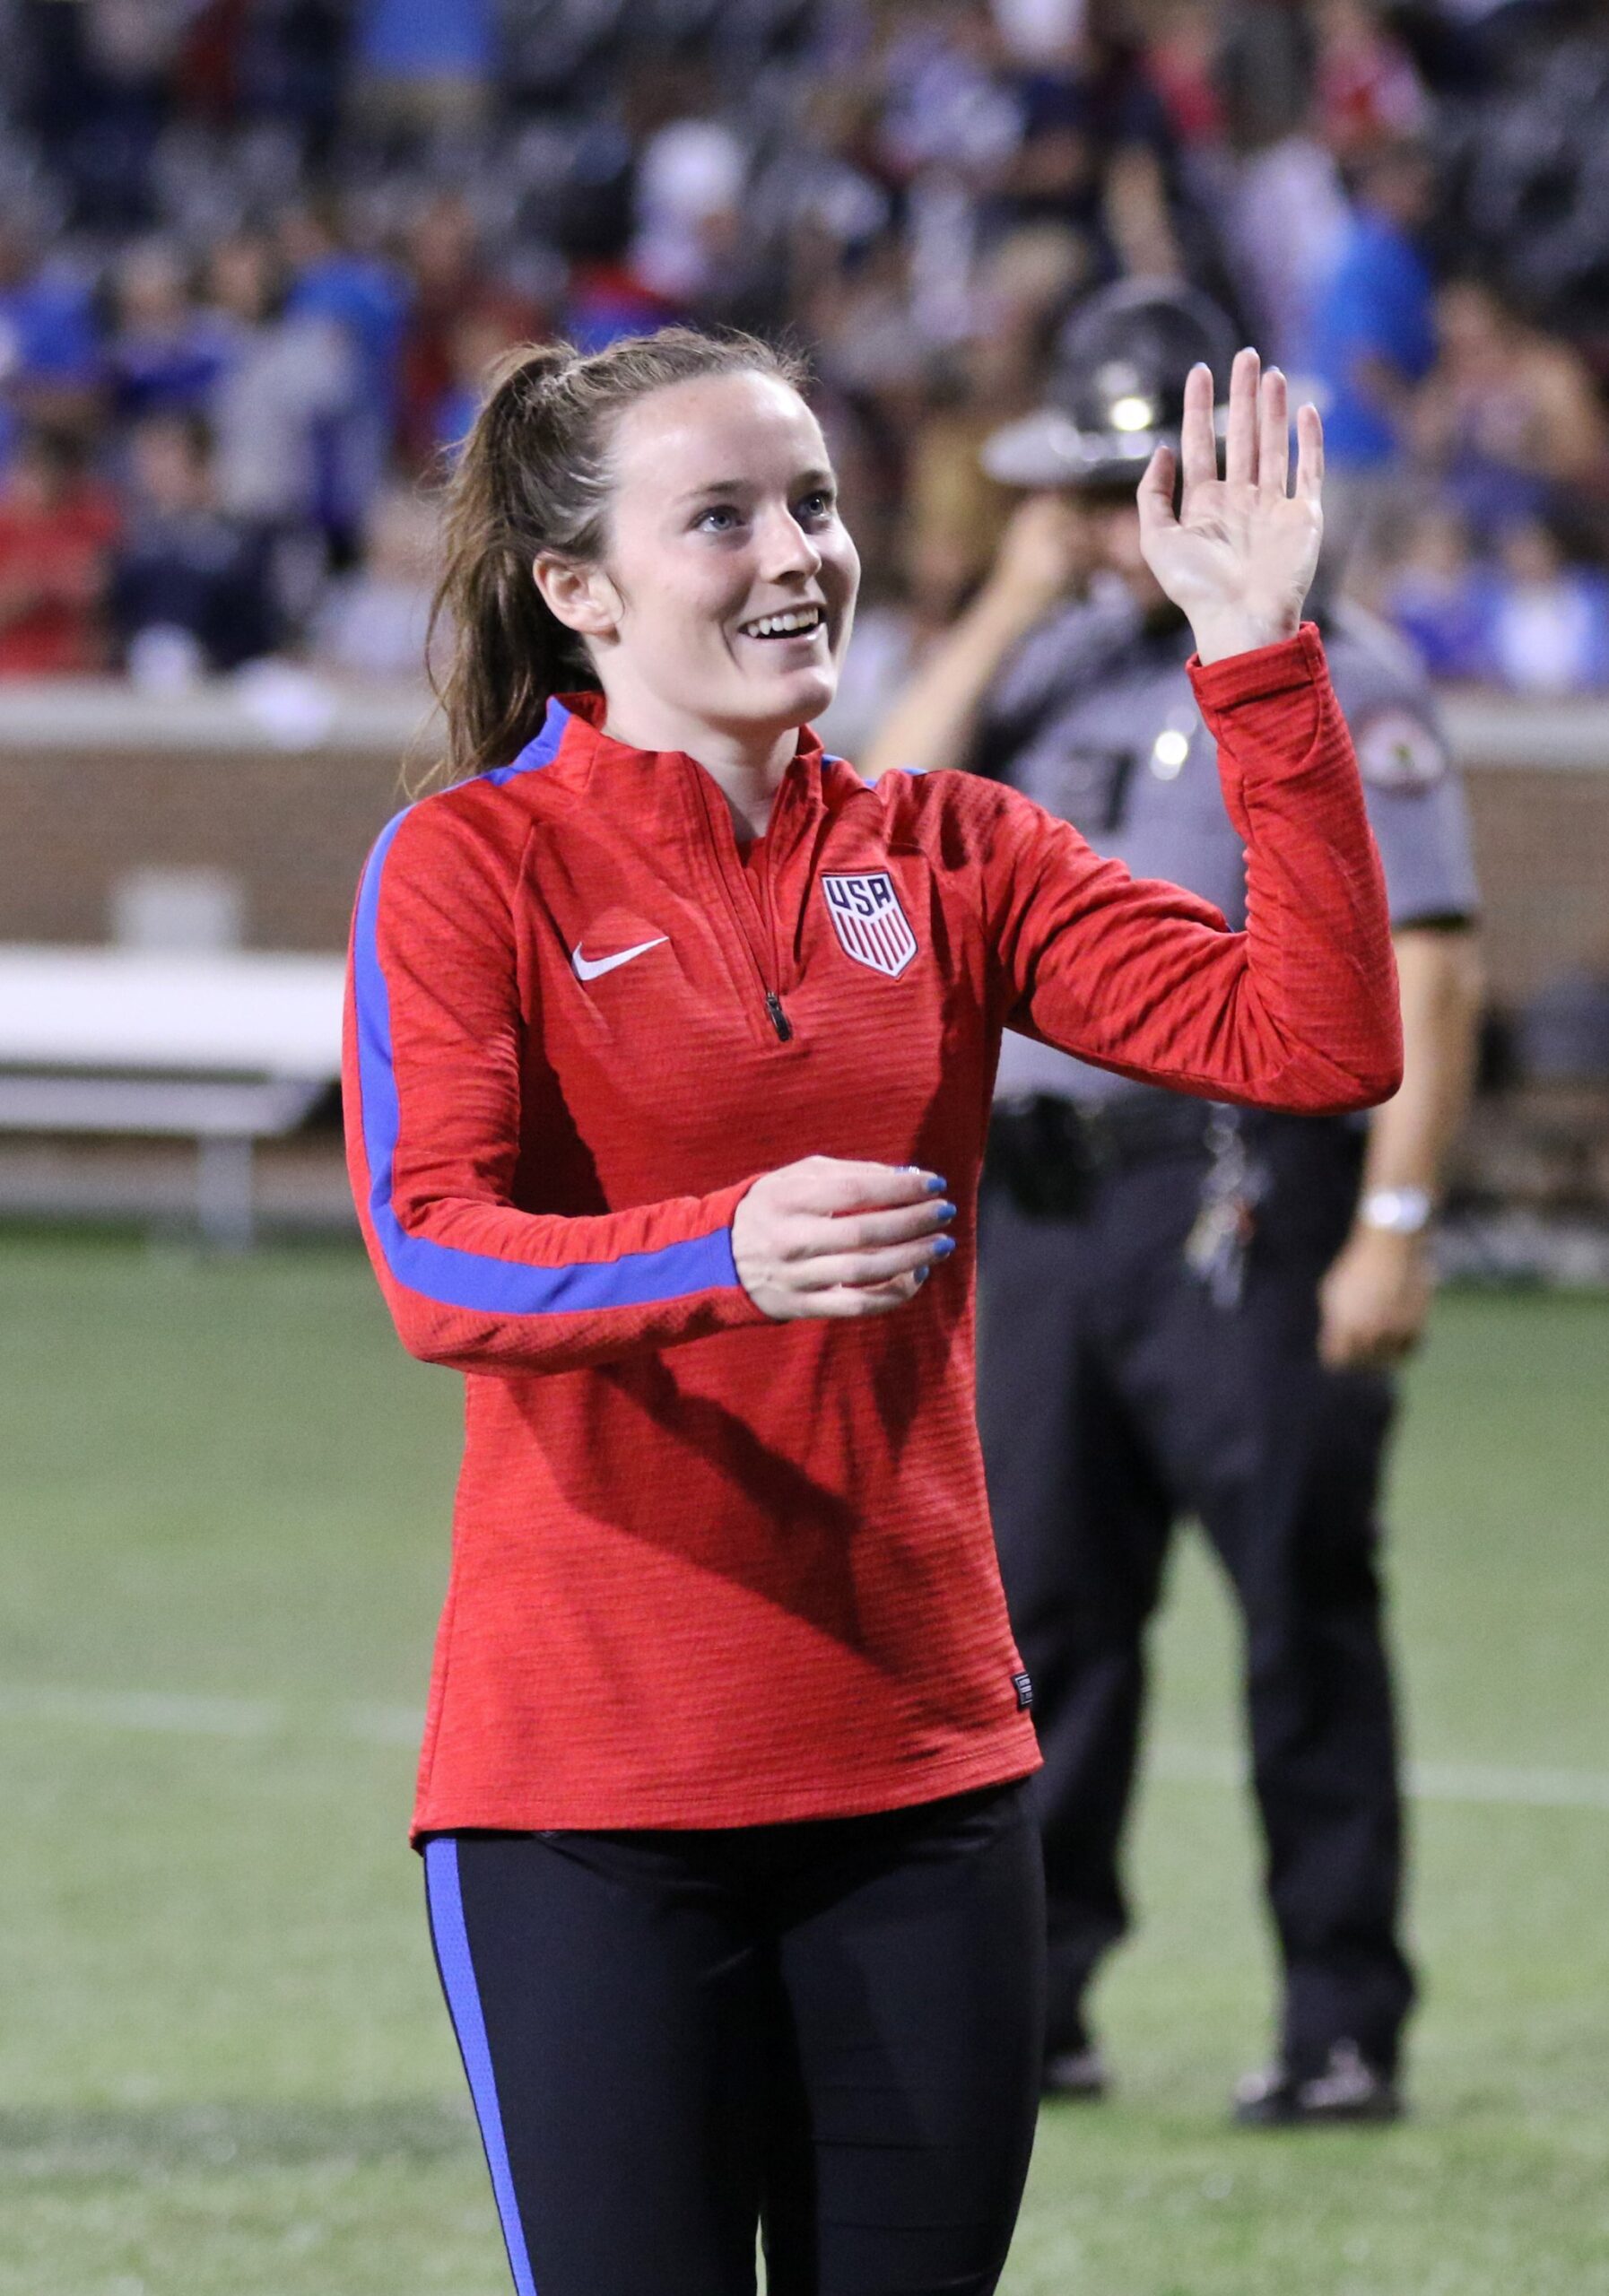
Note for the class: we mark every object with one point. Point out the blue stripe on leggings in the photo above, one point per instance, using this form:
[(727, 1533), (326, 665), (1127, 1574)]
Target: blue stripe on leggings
[(446, 1899)]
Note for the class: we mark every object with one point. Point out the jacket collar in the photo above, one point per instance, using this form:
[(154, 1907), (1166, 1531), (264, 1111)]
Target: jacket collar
[(663, 783), (587, 710)]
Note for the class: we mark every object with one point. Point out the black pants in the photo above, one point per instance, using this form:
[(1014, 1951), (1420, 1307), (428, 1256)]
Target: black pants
[(1115, 1397), (830, 2032)]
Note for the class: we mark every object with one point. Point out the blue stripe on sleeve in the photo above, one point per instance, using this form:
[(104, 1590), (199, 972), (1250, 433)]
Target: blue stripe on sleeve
[(445, 1897), (479, 1280)]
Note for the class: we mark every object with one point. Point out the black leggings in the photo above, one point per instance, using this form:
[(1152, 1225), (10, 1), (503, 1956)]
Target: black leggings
[(831, 2031)]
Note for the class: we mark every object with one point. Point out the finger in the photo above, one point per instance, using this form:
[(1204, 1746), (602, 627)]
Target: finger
[(833, 1184), (1154, 494), (1274, 441), (1197, 438), (1310, 454), (851, 1301), (830, 1269), (909, 1224), (810, 1235), (1240, 449), (897, 1288)]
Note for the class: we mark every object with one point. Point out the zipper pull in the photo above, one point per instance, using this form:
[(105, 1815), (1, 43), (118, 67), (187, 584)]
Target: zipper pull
[(778, 1018)]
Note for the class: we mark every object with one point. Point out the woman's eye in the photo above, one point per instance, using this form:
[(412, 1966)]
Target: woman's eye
[(816, 506), (718, 519)]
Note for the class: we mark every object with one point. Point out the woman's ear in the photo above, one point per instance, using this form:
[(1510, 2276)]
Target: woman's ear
[(582, 597)]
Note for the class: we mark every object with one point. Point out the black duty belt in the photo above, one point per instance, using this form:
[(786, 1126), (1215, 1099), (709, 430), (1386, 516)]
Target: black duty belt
[(1051, 1153)]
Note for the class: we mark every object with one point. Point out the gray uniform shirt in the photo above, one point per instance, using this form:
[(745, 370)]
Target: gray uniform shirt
[(1094, 717)]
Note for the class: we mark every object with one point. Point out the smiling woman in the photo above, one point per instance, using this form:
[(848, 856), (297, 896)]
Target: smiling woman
[(663, 1027), (723, 535), (724, 608)]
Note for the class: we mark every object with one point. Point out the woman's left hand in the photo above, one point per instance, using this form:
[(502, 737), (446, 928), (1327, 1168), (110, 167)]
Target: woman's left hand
[(1238, 556)]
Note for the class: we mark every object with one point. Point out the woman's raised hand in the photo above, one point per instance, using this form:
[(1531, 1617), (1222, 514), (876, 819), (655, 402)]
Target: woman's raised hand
[(826, 1237), (1238, 556)]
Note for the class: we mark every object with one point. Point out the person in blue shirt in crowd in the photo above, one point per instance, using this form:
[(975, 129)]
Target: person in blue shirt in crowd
[(190, 588), (1547, 623), (49, 355), (1434, 593), (442, 59), (165, 356), (366, 296), (1372, 337), (1531, 614), (1186, 1309)]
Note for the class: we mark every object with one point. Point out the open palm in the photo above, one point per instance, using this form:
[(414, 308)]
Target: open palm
[(1239, 553)]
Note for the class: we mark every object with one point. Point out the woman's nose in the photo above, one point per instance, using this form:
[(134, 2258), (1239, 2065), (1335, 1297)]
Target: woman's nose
[(785, 548)]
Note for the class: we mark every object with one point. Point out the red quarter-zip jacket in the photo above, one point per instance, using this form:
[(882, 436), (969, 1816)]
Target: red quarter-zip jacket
[(709, 1570)]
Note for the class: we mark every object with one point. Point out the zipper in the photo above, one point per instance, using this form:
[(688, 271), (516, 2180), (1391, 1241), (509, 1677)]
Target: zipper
[(722, 846)]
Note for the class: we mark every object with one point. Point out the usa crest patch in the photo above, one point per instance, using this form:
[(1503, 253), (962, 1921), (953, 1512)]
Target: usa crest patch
[(871, 926)]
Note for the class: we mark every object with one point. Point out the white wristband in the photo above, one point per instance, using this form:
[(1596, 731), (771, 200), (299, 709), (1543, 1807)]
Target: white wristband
[(1399, 1211)]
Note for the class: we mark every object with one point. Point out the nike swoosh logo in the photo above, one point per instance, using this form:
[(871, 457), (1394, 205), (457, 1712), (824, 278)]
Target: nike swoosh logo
[(589, 967)]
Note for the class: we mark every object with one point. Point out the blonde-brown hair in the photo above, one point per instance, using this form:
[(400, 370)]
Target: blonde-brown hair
[(534, 476)]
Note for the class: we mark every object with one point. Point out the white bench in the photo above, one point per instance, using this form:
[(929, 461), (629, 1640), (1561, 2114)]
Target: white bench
[(226, 1048)]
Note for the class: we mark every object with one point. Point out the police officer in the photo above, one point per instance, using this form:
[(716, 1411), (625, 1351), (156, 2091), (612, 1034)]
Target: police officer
[(1184, 1308)]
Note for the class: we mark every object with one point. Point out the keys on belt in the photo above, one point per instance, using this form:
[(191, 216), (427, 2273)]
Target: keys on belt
[(1231, 1188)]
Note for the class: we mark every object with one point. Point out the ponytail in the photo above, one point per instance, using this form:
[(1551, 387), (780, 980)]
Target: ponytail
[(532, 477)]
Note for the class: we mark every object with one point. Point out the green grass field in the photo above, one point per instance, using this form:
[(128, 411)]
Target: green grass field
[(223, 2067)]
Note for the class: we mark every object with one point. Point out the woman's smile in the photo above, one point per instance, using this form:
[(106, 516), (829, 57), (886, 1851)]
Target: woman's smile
[(798, 624)]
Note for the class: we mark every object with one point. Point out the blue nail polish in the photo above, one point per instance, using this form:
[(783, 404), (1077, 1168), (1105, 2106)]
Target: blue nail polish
[(942, 1246), (936, 1186), (923, 1274), (945, 1211)]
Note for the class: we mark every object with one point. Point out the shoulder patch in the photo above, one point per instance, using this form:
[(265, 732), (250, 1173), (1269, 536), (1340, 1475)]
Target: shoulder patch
[(1399, 750)]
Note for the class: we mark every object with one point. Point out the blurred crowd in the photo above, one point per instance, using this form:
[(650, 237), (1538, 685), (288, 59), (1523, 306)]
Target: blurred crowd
[(256, 255)]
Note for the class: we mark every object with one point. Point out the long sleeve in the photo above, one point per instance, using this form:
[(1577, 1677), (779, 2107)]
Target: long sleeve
[(1298, 1011), (434, 1046)]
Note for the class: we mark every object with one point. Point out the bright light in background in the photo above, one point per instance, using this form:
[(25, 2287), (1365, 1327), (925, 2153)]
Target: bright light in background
[(1168, 752)]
